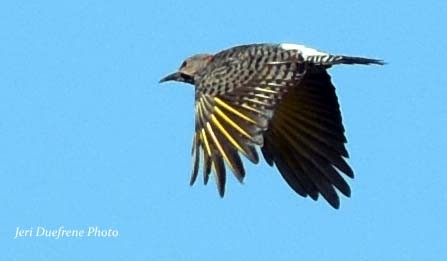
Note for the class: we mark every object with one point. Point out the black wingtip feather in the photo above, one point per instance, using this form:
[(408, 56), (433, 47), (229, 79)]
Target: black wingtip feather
[(220, 175)]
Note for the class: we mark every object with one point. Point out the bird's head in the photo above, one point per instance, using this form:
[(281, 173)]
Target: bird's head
[(189, 68)]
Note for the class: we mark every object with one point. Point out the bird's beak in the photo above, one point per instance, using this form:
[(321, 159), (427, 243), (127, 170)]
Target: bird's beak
[(177, 76)]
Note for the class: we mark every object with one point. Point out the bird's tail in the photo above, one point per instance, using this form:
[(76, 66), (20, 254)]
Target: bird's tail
[(341, 59)]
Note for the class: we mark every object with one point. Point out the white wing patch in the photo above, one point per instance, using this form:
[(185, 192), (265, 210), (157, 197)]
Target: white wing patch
[(305, 51)]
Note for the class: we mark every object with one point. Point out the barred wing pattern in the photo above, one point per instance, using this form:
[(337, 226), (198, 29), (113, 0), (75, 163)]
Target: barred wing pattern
[(269, 97)]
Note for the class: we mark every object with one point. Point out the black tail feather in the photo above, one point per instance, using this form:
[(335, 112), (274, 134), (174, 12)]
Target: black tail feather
[(358, 60)]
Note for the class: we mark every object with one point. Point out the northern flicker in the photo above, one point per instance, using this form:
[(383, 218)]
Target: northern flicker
[(278, 97)]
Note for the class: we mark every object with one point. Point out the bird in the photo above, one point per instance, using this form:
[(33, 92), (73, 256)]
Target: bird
[(276, 99)]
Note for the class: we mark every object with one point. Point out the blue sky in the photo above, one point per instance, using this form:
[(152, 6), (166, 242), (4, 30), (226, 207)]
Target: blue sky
[(90, 139)]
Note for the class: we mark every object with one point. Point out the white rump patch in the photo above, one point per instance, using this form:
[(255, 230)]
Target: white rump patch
[(305, 51)]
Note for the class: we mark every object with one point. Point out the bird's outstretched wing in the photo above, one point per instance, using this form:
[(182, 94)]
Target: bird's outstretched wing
[(281, 103), (306, 141)]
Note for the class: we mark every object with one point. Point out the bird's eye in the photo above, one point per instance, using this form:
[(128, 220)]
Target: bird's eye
[(183, 64)]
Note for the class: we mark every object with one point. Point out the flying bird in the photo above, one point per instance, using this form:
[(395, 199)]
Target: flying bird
[(276, 97)]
